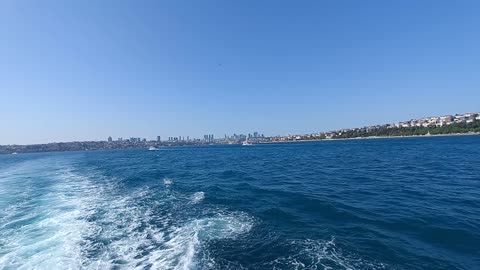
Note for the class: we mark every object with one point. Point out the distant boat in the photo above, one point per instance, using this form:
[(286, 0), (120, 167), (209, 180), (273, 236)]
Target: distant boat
[(152, 148), (246, 143), (14, 153)]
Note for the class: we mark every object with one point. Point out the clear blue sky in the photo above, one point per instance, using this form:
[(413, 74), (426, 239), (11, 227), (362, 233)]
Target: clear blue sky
[(84, 70)]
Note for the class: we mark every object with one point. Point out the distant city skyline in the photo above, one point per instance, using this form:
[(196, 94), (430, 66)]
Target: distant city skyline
[(78, 71), (425, 122), (440, 125)]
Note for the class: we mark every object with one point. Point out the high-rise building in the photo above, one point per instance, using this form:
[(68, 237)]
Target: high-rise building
[(110, 139), (159, 139), (255, 134), (208, 138)]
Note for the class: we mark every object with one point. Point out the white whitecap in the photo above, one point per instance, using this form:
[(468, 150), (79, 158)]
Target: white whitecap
[(197, 197), (167, 181)]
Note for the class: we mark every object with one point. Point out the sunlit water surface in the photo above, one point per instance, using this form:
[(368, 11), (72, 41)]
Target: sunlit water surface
[(411, 203)]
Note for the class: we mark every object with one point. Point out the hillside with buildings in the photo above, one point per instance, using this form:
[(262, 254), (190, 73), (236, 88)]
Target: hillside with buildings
[(434, 125)]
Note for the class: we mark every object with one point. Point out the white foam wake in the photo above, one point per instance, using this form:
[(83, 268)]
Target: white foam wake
[(43, 231), (183, 243), (86, 221)]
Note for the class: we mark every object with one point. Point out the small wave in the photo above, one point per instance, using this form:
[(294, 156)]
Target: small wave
[(197, 197), (321, 254), (167, 181), (229, 174)]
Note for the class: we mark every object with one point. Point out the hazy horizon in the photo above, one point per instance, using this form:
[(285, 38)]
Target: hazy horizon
[(78, 71)]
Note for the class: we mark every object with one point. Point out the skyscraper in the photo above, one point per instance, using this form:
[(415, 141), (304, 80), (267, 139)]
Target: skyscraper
[(159, 139), (110, 139)]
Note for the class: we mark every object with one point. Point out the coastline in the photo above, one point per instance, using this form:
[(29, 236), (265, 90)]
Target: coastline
[(378, 137), (258, 143)]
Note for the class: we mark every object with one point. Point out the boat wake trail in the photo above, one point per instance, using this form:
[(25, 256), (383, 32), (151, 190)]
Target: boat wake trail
[(81, 219), (43, 229), (91, 221)]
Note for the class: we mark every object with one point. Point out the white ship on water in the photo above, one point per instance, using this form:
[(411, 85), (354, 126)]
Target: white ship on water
[(246, 143)]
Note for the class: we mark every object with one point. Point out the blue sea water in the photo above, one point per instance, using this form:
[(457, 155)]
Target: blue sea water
[(406, 203)]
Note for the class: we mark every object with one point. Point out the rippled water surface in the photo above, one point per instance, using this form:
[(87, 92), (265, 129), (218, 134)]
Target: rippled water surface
[(411, 203)]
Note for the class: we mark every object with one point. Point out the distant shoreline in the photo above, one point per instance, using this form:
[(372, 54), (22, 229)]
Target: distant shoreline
[(258, 143), (379, 137)]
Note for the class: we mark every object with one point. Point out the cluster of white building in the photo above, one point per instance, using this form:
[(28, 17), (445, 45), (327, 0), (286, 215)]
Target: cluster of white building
[(435, 121), (439, 120)]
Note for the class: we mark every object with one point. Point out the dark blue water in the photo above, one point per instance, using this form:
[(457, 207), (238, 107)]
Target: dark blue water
[(411, 203)]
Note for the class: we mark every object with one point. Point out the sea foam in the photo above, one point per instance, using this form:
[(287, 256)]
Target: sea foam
[(322, 254), (85, 220), (182, 246), (44, 230), (197, 197), (167, 181)]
